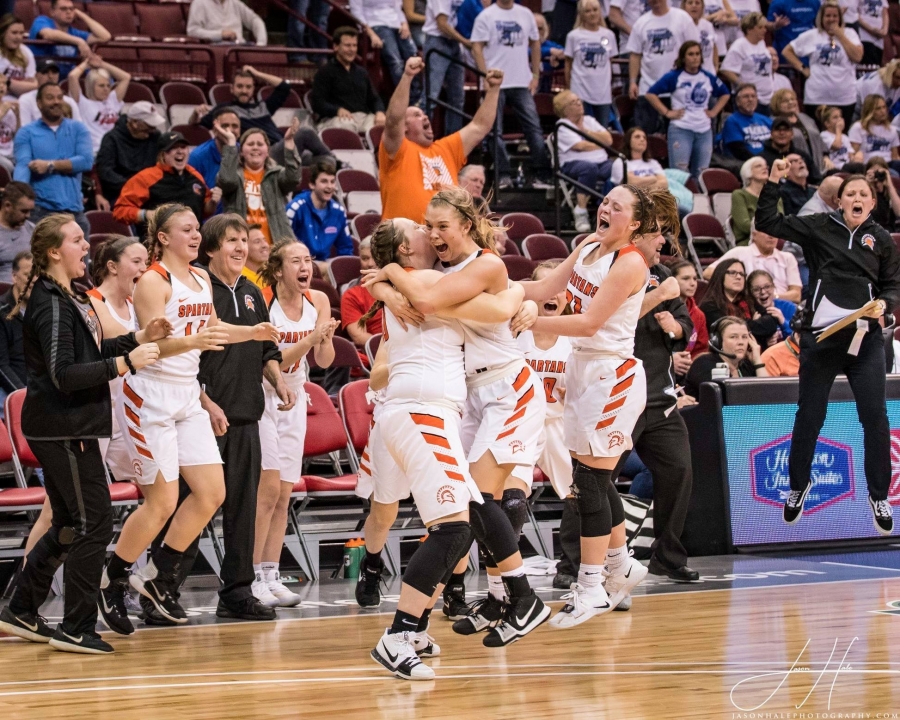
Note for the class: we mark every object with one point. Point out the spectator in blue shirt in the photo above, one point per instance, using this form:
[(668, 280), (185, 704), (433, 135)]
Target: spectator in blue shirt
[(319, 221), (71, 41), (206, 159), (790, 18), (746, 130), (51, 154)]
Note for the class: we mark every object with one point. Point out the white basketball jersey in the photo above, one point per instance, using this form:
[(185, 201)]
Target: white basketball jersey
[(425, 363), (188, 310), (488, 345), (292, 332), (550, 366), (616, 337)]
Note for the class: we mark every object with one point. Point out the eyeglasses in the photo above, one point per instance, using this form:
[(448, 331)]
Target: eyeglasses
[(735, 274), (760, 289)]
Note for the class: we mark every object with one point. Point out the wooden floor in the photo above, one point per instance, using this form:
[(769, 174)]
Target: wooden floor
[(691, 655)]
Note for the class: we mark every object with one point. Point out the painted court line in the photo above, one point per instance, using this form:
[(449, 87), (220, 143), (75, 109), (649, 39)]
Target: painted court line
[(867, 567)]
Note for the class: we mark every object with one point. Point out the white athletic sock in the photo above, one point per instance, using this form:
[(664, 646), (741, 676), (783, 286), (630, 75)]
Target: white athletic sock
[(257, 570), (496, 588), (269, 569), (581, 211), (590, 576), (616, 559), (518, 572)]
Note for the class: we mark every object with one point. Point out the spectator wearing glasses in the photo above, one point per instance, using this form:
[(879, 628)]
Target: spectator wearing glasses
[(728, 295), (739, 352), (762, 288), (70, 41)]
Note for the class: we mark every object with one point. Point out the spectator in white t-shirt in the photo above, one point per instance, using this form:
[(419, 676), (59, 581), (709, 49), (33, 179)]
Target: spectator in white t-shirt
[(885, 82), (873, 28), (873, 135), (623, 14), (833, 51), (643, 171), (47, 71), (748, 60), (712, 47), (837, 143), (505, 36), (723, 18), (441, 35), (100, 103), (589, 48), (579, 158), (9, 124), (779, 81), (16, 58), (654, 43), (388, 31)]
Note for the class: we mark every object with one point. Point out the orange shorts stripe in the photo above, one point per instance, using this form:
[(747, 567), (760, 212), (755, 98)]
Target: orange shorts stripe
[(436, 440), (133, 416), (455, 476), (430, 420), (506, 433), (137, 436), (625, 367), (446, 459), (615, 404), (365, 469), (132, 395), (519, 415), (606, 423), (142, 451), (365, 455), (525, 399), (624, 385), (521, 379)]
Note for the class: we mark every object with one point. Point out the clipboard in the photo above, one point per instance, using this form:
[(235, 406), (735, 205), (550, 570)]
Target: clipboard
[(864, 311)]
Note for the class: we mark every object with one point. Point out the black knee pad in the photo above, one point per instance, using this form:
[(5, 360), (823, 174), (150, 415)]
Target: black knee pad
[(485, 556), (475, 517), (497, 532), (440, 551), (515, 506), (463, 551), (617, 509), (591, 500)]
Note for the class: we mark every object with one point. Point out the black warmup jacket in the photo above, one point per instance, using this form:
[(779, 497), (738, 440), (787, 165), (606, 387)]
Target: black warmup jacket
[(12, 351), (68, 375), (233, 377), (848, 268), (654, 347)]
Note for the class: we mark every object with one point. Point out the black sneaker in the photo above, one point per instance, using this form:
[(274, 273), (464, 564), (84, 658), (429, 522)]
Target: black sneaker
[(112, 605), (520, 616), (882, 515), (151, 616), (793, 504), (26, 626), (455, 607), (368, 593), (247, 609), (561, 581), (162, 590), (88, 643), (481, 615)]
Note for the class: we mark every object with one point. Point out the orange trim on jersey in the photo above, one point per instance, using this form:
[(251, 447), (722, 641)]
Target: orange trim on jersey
[(446, 459), (137, 436), (142, 451), (308, 295), (95, 293), (625, 367), (365, 455), (516, 416), (436, 440), (455, 476), (157, 268), (133, 416), (365, 469), (268, 295), (429, 420), (525, 399), (521, 379), (605, 423), (631, 249), (622, 386), (615, 404), (506, 433), (132, 395)]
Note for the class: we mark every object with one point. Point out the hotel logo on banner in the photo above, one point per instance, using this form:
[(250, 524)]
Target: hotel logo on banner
[(832, 473), (894, 491)]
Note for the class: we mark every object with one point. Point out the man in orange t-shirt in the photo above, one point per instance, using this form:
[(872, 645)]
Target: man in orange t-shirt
[(413, 166), (256, 213)]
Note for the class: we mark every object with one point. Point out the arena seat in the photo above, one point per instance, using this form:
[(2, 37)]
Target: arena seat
[(372, 345), (117, 17), (716, 180), (342, 269), (161, 21), (22, 457), (542, 246), (102, 221), (520, 225), (194, 134), (220, 93), (576, 241), (702, 229), (137, 92), (363, 201), (518, 267), (322, 285), (341, 139), (373, 138), (349, 180), (180, 99), (356, 414), (511, 248), (896, 238), (345, 355), (364, 225)]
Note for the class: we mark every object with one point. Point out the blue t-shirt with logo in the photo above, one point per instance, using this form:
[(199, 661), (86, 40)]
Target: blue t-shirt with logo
[(752, 130), (801, 13), (42, 22)]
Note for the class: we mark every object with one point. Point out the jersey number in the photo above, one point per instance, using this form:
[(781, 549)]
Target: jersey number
[(189, 328), (549, 386), (575, 302)]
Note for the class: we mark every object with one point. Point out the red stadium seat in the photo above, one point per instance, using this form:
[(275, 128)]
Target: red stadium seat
[(364, 225), (356, 412), (541, 246), (701, 229), (317, 283), (520, 225), (717, 180), (161, 21), (373, 138), (350, 180), (702, 287), (117, 17), (658, 147), (510, 248), (345, 355), (102, 221), (181, 93), (293, 99), (343, 269), (519, 268), (220, 93), (4, 177), (896, 237), (137, 92), (576, 241), (194, 134), (21, 456), (341, 139)]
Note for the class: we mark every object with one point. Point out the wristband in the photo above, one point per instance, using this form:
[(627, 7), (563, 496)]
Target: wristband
[(759, 366), (129, 364)]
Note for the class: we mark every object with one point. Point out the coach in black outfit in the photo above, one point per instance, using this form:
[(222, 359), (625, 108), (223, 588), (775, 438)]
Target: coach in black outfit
[(852, 260)]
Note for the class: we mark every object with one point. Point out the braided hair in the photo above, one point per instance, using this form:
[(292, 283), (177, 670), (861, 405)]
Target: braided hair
[(386, 241), (158, 222), (47, 236)]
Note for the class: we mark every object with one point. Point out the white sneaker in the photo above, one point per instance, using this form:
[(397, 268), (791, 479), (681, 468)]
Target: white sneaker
[(621, 584), (285, 597), (583, 604), (425, 646), (625, 605), (395, 652), (582, 221), (260, 590)]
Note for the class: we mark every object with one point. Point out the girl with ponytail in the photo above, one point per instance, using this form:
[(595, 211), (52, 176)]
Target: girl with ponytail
[(67, 410)]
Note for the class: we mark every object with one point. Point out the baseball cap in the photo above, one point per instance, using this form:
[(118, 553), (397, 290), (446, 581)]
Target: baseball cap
[(46, 66), (169, 140), (146, 112), (782, 123)]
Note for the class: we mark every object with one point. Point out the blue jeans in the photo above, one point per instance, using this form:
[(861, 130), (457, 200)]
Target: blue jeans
[(394, 54), (441, 73), (594, 175), (690, 151), (641, 478), (522, 103), (600, 113), (316, 11)]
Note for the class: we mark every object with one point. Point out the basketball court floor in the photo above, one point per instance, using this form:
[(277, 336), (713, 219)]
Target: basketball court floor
[(808, 636)]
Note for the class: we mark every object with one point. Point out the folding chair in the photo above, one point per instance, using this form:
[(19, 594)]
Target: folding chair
[(714, 181), (363, 225), (518, 267), (343, 269), (363, 201), (372, 345), (702, 229), (17, 500)]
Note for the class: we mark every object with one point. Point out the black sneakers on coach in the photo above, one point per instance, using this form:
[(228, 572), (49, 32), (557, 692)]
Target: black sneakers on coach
[(26, 626), (161, 590), (793, 504), (562, 581), (87, 643), (247, 609), (455, 607), (882, 516), (521, 615), (368, 592), (112, 605), (480, 615)]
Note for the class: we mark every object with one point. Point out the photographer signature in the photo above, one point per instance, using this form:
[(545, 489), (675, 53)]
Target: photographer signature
[(798, 668)]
